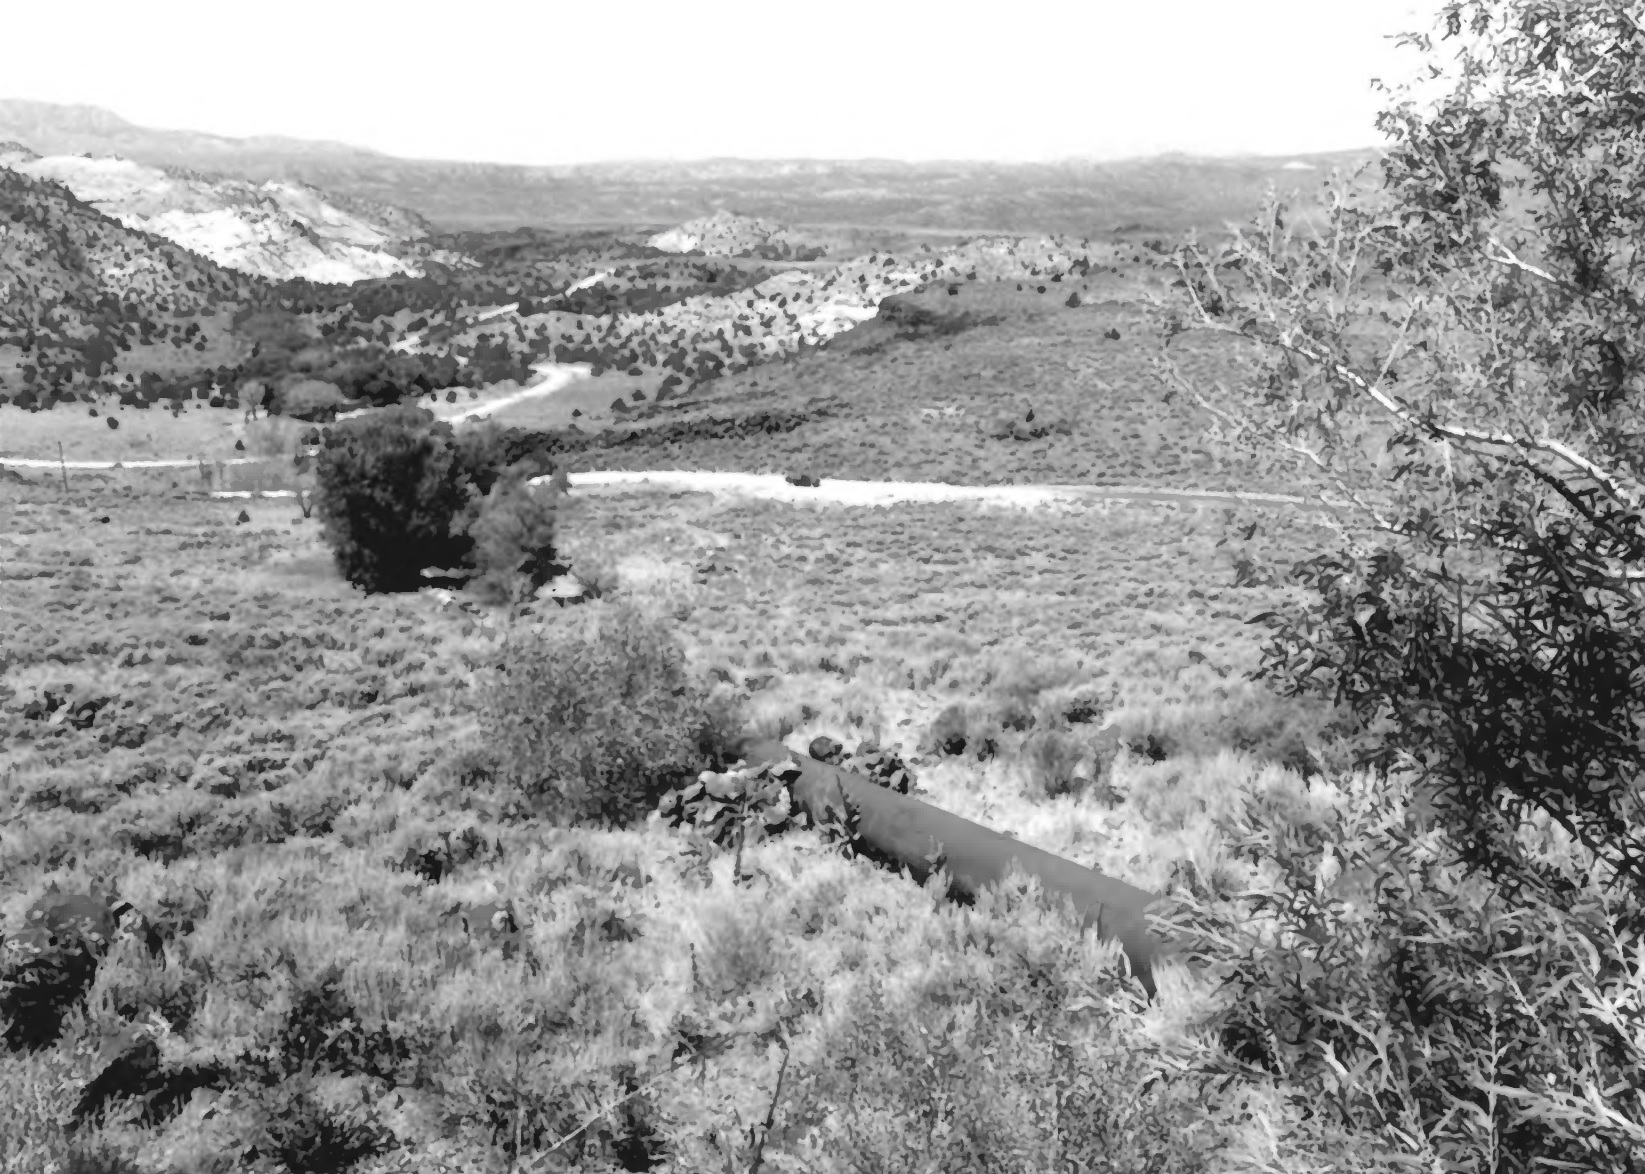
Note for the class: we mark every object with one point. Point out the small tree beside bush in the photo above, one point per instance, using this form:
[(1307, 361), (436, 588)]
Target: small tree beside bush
[(512, 528)]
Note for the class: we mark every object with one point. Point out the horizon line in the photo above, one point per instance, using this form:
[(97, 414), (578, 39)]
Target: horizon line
[(675, 161)]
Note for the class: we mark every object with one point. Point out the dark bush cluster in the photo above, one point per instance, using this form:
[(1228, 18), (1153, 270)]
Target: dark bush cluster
[(400, 494), (287, 358)]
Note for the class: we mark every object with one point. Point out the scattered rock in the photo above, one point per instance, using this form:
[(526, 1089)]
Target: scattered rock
[(242, 519), (1082, 712), (132, 1068), (57, 711), (50, 964), (42, 707), (438, 860), (239, 446), (113, 423), (825, 749), (83, 715), (1155, 748), (712, 567), (567, 589), (491, 924), (803, 480), (881, 767)]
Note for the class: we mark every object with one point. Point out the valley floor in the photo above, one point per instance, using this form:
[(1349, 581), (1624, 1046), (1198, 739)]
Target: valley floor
[(275, 702)]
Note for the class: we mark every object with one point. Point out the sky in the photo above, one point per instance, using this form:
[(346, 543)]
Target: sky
[(542, 82)]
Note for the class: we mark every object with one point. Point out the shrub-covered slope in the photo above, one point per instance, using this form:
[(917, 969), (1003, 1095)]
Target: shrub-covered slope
[(77, 288)]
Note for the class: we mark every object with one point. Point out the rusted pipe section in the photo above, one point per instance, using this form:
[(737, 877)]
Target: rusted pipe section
[(904, 831)]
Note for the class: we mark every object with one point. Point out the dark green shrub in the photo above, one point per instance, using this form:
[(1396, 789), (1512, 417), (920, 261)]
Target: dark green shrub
[(512, 528), (488, 449), (595, 715), (1052, 760), (947, 734), (399, 493), (1364, 960), (309, 399), (391, 486), (962, 729), (313, 1127)]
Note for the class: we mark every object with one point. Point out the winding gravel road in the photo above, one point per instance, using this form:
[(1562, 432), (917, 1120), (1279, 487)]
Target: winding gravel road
[(775, 487)]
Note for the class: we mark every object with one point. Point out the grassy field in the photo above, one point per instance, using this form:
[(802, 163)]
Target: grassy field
[(273, 755), (142, 434), (278, 746), (372, 952)]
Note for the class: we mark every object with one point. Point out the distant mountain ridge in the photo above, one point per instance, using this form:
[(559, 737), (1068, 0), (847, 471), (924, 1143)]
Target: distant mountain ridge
[(54, 129), (1165, 194)]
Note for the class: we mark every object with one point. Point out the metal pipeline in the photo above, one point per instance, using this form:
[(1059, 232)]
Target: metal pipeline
[(905, 831)]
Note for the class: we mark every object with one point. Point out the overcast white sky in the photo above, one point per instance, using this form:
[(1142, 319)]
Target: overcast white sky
[(543, 82)]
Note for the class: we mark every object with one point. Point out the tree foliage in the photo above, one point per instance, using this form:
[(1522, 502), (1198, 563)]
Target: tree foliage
[(1453, 356), (512, 528), (389, 490), (309, 399), (1479, 319), (401, 493)]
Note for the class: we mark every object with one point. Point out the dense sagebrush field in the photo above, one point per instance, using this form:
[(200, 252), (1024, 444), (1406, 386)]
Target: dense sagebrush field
[(275, 756), (301, 879)]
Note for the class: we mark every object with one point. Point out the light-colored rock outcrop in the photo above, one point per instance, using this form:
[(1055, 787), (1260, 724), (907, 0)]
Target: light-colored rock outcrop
[(278, 229), (727, 234)]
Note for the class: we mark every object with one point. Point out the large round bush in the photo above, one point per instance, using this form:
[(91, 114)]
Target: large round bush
[(391, 488), (595, 713), (399, 492)]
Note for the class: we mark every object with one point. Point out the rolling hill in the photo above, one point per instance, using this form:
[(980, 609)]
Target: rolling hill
[(278, 229), (79, 290)]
